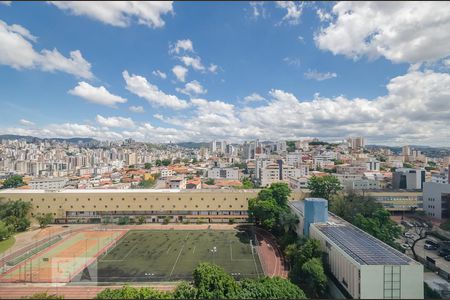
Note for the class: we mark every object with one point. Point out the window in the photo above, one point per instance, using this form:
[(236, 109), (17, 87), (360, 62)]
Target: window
[(89, 199), (37, 206)]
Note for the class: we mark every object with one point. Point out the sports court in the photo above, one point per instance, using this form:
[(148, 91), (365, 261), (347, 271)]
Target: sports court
[(63, 260), (166, 255)]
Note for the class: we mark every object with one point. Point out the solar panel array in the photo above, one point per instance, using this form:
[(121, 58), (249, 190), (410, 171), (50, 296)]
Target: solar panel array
[(362, 247)]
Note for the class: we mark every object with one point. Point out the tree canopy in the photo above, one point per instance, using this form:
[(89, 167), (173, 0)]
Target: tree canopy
[(324, 186), (13, 182)]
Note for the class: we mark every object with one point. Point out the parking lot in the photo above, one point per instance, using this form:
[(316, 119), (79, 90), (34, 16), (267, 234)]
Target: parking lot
[(440, 262)]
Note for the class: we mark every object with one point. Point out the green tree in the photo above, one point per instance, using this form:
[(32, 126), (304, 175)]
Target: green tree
[(148, 166), (280, 192), (44, 295), (147, 184), (212, 282), (298, 254), (247, 183), (324, 186), (269, 288), (45, 220), (158, 163), (123, 220), (13, 182), (314, 280), (210, 181), (290, 146), (184, 290), (380, 226), (348, 205), (166, 162), (5, 231), (288, 221), (140, 220), (128, 292), (264, 212)]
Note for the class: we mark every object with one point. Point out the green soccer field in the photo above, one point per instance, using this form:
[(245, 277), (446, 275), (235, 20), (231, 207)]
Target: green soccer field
[(157, 255)]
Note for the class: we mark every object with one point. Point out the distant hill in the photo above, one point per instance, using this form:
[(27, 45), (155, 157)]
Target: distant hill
[(427, 150), (31, 139)]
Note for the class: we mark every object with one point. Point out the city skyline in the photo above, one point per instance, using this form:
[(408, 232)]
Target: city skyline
[(160, 72)]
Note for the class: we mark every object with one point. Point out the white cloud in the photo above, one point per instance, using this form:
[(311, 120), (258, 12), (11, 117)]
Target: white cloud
[(159, 74), (192, 88), (26, 122), (414, 110), (185, 45), (254, 97), (258, 9), (314, 74), (120, 13), (212, 68), (323, 15), (16, 51), (98, 95), (7, 3), (447, 62), (194, 62), (293, 61), (293, 11), (139, 86), (115, 121), (180, 72), (399, 31), (136, 109)]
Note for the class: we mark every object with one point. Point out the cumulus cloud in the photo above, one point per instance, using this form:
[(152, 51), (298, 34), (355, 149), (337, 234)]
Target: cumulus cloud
[(159, 74), (7, 3), (136, 109), (314, 74), (98, 95), (254, 97), (293, 11), (26, 122), (16, 51), (192, 88), (193, 62), (115, 121), (139, 86), (180, 45), (399, 31), (120, 13), (414, 110), (180, 72)]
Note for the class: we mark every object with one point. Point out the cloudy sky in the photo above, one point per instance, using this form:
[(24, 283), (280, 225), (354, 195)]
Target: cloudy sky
[(163, 72)]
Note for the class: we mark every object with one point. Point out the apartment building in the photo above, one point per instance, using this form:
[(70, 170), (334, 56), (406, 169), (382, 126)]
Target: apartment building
[(224, 173), (48, 183), (410, 179)]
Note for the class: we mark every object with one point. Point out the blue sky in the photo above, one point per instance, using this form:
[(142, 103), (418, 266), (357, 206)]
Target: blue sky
[(279, 70)]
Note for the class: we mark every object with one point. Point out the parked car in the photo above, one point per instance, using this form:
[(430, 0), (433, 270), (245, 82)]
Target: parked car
[(444, 252), (447, 257), (431, 242), (405, 246), (429, 247), (406, 224), (409, 234)]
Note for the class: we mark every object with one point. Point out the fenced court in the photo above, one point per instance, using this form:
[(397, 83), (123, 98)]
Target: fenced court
[(63, 260), (167, 255)]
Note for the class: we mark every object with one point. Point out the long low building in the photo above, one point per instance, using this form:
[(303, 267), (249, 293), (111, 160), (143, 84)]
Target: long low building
[(365, 267), (91, 206), (397, 200)]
